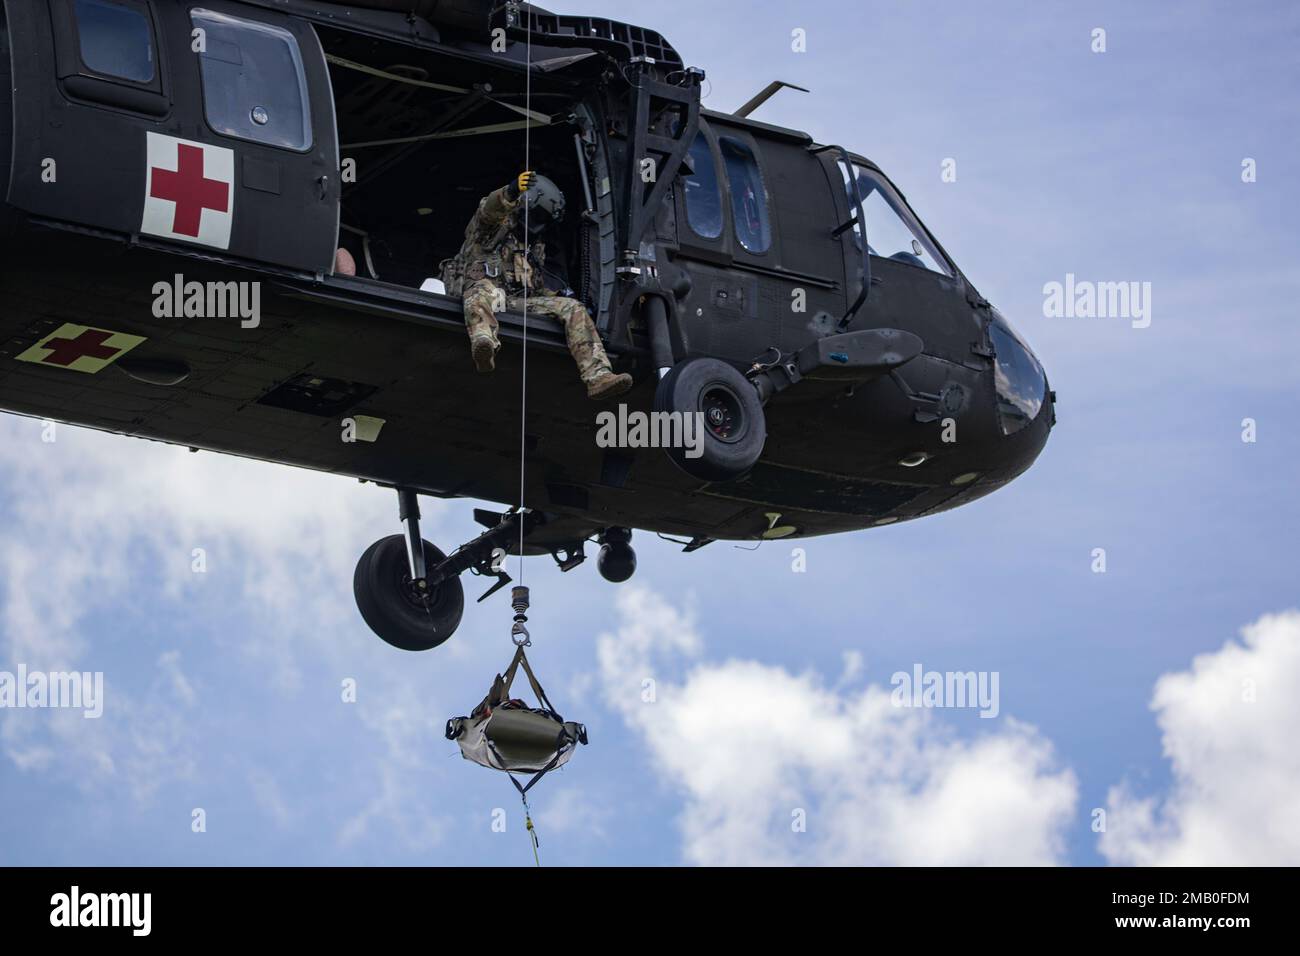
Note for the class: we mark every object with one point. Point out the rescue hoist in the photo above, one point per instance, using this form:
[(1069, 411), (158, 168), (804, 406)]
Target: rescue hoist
[(503, 732)]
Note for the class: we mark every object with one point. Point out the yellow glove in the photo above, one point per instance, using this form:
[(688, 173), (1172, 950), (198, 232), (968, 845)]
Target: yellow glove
[(526, 181)]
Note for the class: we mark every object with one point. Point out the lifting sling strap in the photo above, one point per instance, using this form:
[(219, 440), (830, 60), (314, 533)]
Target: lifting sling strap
[(501, 692)]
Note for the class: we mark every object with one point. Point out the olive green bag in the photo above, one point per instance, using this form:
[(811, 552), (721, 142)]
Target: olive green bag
[(504, 733)]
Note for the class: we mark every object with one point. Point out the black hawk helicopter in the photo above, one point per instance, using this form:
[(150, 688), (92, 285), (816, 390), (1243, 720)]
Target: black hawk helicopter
[(180, 179)]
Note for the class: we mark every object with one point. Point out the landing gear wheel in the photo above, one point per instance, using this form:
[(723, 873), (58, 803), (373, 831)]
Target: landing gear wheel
[(735, 427), (395, 608)]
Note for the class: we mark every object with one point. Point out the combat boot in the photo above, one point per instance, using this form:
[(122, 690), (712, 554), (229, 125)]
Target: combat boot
[(589, 353), (608, 385), (484, 347)]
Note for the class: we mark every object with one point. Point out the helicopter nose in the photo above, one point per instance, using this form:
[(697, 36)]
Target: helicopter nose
[(1018, 377)]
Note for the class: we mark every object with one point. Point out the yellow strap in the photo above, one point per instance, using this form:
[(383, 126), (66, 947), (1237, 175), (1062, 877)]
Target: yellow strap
[(532, 832), (384, 74)]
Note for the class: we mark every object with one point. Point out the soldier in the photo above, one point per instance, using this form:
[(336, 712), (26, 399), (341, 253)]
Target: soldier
[(494, 266)]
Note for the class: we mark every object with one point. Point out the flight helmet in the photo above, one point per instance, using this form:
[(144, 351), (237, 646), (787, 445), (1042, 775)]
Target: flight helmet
[(545, 204)]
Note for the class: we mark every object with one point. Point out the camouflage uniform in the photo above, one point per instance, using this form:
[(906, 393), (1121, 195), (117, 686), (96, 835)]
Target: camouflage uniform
[(492, 270)]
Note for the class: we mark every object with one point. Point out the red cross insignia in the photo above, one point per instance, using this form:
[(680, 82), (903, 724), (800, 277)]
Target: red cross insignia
[(189, 190), (80, 348)]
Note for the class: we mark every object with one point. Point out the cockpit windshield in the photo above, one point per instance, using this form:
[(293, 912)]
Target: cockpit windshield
[(892, 230), (1020, 382)]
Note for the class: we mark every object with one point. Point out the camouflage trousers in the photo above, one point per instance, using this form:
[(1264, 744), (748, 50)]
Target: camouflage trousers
[(579, 330)]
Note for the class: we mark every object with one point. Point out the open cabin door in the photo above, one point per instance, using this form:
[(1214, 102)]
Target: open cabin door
[(208, 127)]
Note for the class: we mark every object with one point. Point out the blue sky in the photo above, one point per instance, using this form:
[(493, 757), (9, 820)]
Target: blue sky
[(223, 688)]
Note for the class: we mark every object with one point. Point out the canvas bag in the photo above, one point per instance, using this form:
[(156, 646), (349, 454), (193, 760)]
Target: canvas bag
[(503, 733)]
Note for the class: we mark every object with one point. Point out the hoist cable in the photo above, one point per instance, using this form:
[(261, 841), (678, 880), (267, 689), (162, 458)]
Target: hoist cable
[(523, 382), (523, 386)]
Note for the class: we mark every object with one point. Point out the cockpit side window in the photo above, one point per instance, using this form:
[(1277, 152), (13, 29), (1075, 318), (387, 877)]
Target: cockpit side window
[(703, 194), (254, 86), (748, 195), (1021, 384), (892, 230), (115, 39)]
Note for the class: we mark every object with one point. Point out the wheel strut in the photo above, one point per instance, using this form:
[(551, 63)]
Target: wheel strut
[(408, 509)]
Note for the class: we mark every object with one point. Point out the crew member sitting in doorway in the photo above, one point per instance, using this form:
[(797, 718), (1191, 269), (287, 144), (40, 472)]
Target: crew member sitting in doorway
[(497, 263)]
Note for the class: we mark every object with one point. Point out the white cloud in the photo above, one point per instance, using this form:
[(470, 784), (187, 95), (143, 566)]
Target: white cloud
[(96, 522), (78, 506), (752, 745), (575, 811), (270, 798), (170, 663), (746, 742), (1229, 728), (400, 803), (141, 740)]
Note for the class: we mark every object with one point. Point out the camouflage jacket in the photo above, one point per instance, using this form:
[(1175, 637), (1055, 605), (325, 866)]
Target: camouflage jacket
[(492, 249)]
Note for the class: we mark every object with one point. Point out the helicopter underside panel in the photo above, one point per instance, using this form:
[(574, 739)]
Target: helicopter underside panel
[(356, 392)]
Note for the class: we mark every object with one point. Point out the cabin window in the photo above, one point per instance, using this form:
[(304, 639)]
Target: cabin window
[(892, 230), (115, 40), (703, 194), (254, 86), (748, 196), (1021, 384)]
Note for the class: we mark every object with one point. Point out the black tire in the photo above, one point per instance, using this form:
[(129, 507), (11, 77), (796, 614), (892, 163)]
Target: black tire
[(391, 606), (735, 427)]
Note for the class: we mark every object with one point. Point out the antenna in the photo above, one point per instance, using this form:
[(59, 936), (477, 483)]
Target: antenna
[(764, 95)]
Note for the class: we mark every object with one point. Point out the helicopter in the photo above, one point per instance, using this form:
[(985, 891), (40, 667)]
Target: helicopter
[(181, 178)]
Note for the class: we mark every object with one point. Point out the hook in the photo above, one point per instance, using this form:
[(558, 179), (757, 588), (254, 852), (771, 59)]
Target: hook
[(519, 601)]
